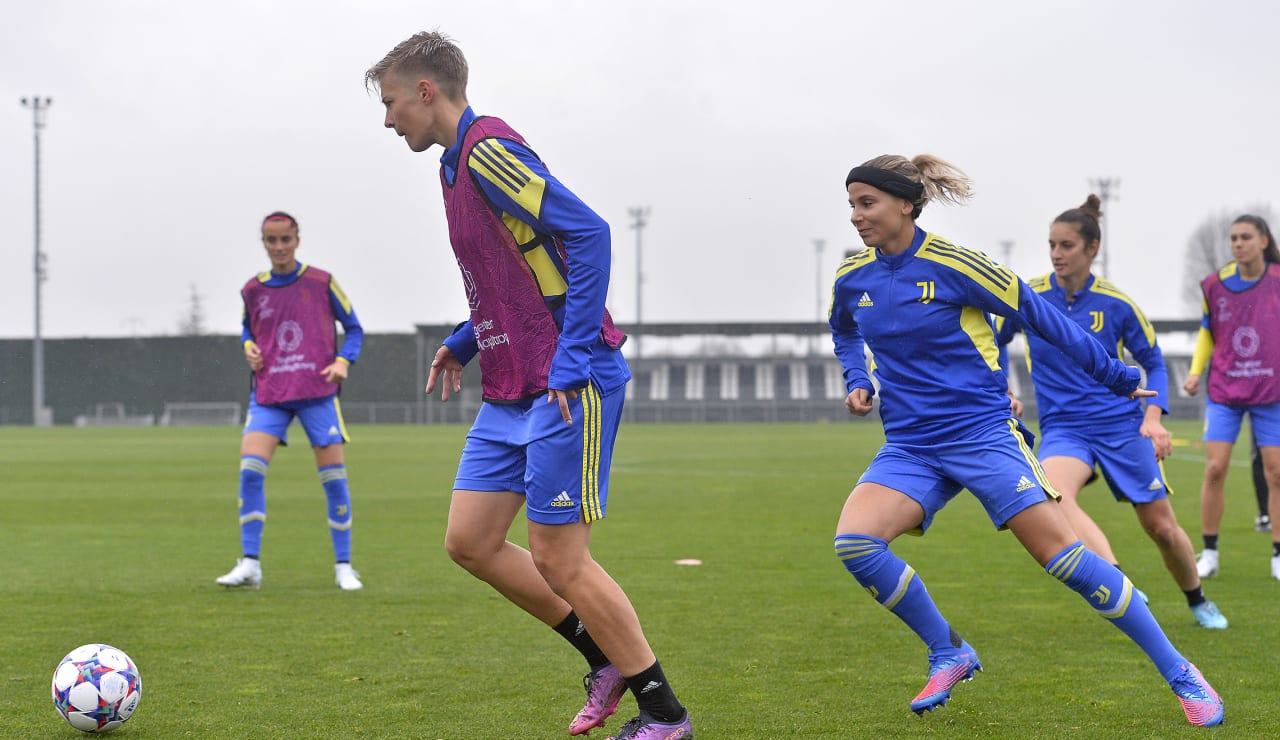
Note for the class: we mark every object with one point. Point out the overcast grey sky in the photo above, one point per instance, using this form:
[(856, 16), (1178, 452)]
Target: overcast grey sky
[(176, 126)]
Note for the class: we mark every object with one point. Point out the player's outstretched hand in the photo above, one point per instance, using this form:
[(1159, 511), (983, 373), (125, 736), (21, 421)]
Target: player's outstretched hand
[(1142, 393), (444, 363)]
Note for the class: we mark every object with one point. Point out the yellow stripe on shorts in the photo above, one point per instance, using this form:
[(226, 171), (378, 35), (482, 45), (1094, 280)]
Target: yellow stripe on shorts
[(1041, 477), (342, 423), (591, 510)]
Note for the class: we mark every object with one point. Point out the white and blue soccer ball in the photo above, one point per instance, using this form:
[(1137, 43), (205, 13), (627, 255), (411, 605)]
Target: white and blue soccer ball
[(96, 688)]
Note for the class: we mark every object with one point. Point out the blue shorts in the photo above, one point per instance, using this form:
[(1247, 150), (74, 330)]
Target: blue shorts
[(996, 464), (1126, 458), (562, 469), (1222, 422), (321, 418)]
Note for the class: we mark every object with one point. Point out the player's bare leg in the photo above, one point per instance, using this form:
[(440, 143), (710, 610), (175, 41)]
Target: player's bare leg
[(1069, 475), (561, 553), (1161, 525), (1217, 457), (1271, 465), (476, 539)]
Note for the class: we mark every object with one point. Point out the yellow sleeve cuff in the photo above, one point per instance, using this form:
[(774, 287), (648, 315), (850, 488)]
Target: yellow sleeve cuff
[(1203, 351)]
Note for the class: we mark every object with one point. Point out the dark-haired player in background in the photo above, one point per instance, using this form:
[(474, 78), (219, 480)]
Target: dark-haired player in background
[(1083, 424), (1238, 331), (289, 340)]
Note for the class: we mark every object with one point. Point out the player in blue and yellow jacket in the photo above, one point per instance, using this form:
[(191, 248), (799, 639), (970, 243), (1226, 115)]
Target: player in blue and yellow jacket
[(919, 304), (1082, 424)]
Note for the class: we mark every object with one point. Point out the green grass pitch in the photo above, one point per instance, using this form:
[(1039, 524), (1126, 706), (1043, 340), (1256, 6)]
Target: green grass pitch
[(116, 535)]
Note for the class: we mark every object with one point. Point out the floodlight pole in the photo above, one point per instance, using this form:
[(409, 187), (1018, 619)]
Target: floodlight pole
[(1105, 187), (818, 245), (639, 219), (823, 295), (39, 414)]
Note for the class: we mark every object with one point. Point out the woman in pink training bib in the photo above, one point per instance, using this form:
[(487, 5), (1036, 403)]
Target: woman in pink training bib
[(289, 341), (1240, 341)]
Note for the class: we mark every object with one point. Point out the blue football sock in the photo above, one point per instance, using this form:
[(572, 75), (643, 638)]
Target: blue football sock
[(1111, 594), (253, 504), (894, 584), (334, 480)]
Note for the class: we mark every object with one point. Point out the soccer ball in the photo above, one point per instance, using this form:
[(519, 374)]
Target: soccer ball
[(96, 688)]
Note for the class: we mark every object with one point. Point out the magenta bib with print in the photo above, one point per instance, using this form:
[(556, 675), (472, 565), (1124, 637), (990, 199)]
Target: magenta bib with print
[(293, 326), (1246, 341), (515, 330)]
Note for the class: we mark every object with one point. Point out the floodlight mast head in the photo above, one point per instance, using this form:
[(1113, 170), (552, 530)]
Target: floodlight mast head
[(38, 106)]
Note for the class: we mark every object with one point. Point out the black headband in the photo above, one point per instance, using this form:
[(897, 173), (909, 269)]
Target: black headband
[(890, 182)]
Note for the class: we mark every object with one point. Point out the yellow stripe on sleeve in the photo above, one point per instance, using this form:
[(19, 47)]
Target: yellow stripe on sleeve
[(522, 231), (1202, 353), (492, 161), (850, 263), (1105, 287), (854, 261), (341, 296), (995, 279), (1040, 284), (549, 278), (974, 323)]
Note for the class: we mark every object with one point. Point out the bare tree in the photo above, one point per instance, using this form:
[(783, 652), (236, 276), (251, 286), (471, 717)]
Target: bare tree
[(1209, 250), (192, 322)]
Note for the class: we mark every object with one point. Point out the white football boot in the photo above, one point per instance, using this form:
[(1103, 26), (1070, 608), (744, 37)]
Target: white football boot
[(346, 577), (1207, 563), (247, 574)]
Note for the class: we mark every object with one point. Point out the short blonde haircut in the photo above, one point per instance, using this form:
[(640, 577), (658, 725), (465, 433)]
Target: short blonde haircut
[(428, 54)]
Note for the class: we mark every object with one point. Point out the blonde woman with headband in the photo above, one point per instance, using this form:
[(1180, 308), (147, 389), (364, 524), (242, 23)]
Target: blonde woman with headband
[(920, 304)]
